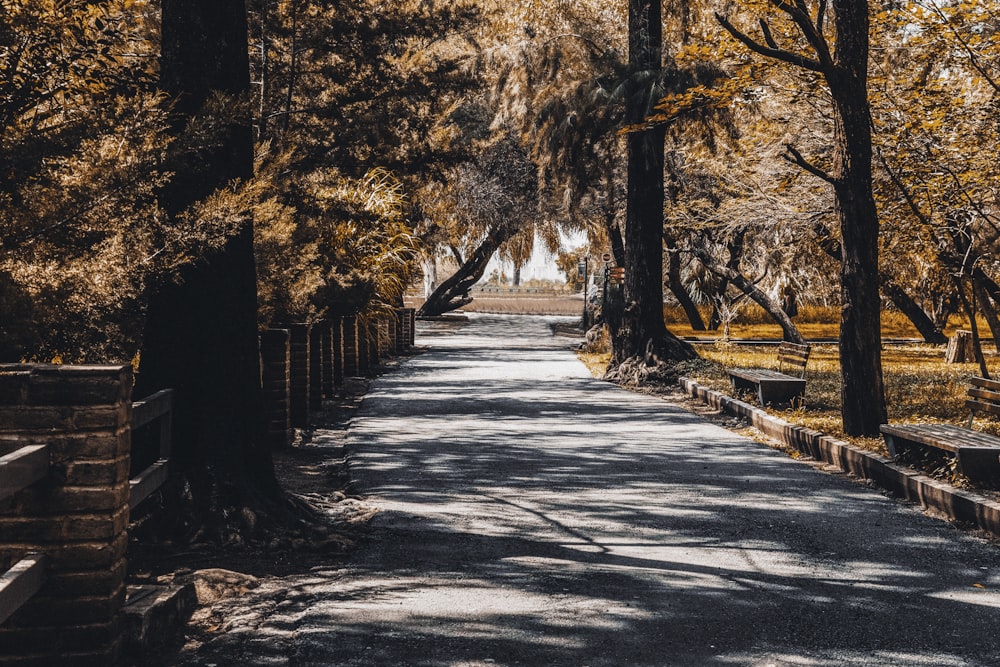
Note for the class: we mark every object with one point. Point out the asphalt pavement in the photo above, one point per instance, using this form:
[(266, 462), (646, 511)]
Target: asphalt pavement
[(530, 514)]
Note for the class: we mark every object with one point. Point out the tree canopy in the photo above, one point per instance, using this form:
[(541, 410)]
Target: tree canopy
[(800, 153)]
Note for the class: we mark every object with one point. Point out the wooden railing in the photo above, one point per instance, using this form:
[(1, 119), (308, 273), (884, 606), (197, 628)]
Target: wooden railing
[(158, 406), (19, 470), (20, 582), (22, 468)]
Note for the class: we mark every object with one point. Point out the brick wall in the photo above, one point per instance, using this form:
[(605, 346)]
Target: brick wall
[(78, 515), (300, 382), (337, 342), (350, 332), (316, 367), (275, 381)]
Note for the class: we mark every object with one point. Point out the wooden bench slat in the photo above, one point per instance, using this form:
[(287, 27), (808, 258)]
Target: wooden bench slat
[(977, 453), (981, 406), (775, 386), (985, 394), (985, 384)]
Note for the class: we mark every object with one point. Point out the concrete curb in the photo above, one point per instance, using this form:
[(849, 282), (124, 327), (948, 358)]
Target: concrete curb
[(956, 504)]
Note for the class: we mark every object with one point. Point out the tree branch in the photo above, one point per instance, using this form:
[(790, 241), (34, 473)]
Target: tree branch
[(799, 13), (795, 157), (771, 50)]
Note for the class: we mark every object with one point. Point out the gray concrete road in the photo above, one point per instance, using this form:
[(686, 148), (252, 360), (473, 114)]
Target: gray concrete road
[(531, 515)]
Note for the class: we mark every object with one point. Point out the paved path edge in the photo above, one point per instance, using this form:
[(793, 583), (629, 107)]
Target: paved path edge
[(955, 504)]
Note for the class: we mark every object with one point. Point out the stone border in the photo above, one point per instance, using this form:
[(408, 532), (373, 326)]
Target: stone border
[(956, 504)]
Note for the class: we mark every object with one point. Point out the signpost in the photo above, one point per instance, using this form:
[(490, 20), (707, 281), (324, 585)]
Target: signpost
[(582, 270)]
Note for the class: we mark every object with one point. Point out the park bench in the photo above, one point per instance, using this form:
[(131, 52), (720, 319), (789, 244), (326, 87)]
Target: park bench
[(776, 386), (977, 454)]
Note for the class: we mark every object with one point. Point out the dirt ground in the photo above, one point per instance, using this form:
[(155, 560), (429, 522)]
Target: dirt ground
[(314, 470)]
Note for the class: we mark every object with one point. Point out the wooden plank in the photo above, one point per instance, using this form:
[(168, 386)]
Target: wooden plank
[(151, 407), (985, 395), (22, 468), (980, 406), (930, 435), (146, 482), (985, 384), (20, 582)]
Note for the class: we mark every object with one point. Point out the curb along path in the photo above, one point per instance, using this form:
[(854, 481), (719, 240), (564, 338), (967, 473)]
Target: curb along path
[(531, 515)]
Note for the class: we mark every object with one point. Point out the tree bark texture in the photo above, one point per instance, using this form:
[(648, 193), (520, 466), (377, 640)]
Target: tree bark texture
[(931, 332), (201, 330), (862, 393), (642, 332)]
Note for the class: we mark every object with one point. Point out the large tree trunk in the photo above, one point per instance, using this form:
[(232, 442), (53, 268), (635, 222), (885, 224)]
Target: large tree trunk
[(845, 68), (201, 330), (925, 326), (642, 333), (862, 394)]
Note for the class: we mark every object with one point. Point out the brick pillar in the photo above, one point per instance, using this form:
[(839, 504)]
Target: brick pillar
[(316, 368), (275, 381), (76, 515), (364, 345), (337, 342), (411, 324), (350, 331), (389, 335), (326, 343), (398, 346), (299, 400), (373, 345)]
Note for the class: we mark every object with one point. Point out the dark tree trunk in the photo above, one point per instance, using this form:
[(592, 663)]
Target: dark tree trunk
[(677, 288), (862, 393), (642, 332), (201, 330), (789, 331), (845, 68), (988, 311), (453, 293), (990, 292), (906, 305), (930, 331)]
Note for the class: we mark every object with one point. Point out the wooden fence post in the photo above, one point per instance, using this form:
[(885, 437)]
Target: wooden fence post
[(316, 367), (337, 341)]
